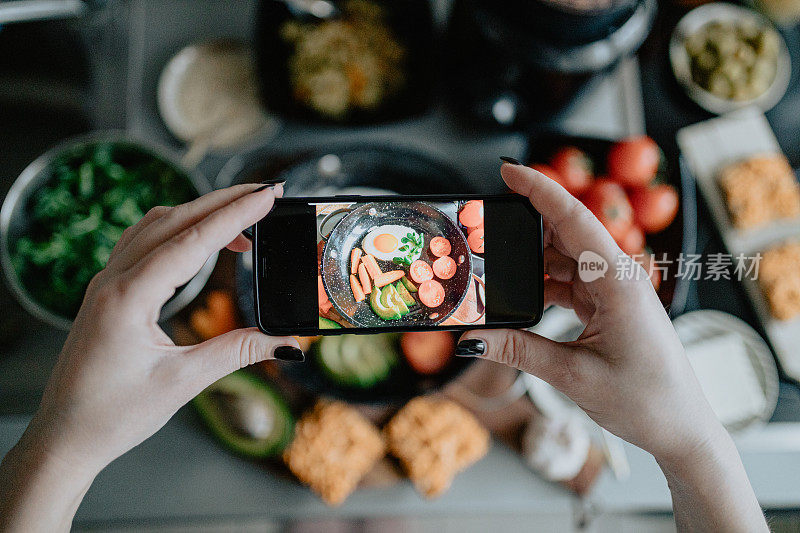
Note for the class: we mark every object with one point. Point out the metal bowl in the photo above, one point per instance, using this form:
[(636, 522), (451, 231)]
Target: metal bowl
[(14, 219), (692, 22)]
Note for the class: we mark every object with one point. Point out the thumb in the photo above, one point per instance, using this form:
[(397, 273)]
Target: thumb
[(531, 353), (240, 348)]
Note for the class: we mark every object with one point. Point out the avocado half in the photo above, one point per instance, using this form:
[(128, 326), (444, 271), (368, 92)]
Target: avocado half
[(246, 415)]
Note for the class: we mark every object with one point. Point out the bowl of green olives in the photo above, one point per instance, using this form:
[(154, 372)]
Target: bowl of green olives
[(728, 57)]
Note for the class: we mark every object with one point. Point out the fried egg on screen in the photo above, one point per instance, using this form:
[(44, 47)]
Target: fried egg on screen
[(385, 242)]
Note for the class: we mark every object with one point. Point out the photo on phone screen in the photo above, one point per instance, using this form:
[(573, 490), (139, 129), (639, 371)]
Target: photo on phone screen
[(326, 266), (403, 264)]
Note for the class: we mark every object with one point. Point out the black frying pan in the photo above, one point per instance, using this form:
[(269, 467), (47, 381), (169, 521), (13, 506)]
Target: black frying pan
[(419, 216)]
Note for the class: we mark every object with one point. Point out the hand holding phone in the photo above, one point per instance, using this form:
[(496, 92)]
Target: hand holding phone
[(376, 264)]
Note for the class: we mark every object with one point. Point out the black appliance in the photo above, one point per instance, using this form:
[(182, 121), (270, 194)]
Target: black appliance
[(515, 62)]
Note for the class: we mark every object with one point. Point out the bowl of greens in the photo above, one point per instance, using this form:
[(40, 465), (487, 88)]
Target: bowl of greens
[(66, 211)]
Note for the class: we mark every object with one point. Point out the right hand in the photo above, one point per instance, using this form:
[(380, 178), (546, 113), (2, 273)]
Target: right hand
[(628, 369)]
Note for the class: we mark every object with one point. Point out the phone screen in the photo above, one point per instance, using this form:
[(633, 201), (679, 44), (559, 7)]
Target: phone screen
[(383, 264)]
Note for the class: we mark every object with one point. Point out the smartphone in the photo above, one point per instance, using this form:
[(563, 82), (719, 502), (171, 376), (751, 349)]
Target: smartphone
[(359, 264)]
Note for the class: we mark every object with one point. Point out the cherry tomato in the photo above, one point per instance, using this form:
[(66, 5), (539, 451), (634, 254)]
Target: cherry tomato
[(634, 162), (471, 214), (420, 271), (444, 267), (431, 293), (607, 200), (427, 352), (574, 167), (632, 241), (654, 208), (475, 240), (440, 246)]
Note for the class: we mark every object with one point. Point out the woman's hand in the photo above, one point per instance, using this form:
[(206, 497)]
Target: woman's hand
[(628, 369), (119, 377)]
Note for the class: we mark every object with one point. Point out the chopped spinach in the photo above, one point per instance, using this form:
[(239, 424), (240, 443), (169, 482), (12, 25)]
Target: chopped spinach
[(94, 192)]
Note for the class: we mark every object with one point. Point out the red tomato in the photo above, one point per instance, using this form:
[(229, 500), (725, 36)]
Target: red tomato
[(646, 260), (420, 271), (444, 267), (632, 242), (607, 200), (427, 352), (475, 240), (471, 214), (431, 293), (575, 167), (634, 162), (654, 208), (440, 246)]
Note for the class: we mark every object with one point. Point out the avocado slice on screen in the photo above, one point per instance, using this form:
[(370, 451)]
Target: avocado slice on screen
[(376, 301), (327, 323), (405, 294)]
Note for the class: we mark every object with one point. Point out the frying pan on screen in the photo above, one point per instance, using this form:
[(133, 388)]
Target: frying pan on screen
[(419, 216)]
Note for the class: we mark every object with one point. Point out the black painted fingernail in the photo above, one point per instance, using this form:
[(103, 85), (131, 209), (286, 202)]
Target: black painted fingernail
[(470, 348), (276, 181), (248, 233), (510, 160), (269, 183), (289, 353)]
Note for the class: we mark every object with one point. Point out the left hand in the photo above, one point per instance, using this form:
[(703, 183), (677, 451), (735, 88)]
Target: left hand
[(119, 377)]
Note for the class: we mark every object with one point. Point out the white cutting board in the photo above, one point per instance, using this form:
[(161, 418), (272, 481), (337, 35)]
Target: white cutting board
[(708, 147)]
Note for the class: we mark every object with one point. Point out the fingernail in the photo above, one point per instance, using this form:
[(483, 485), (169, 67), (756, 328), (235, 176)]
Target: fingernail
[(510, 160), (470, 348), (269, 183), (248, 233), (289, 353)]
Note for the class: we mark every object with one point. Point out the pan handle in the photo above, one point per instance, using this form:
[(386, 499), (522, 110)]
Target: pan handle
[(480, 282), (325, 236)]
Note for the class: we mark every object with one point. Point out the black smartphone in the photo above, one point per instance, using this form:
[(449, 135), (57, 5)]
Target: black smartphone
[(359, 264)]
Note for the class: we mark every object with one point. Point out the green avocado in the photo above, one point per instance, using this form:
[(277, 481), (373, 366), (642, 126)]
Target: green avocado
[(246, 415), (399, 304), (376, 301), (327, 323), (405, 294), (357, 360), (409, 284), (391, 299)]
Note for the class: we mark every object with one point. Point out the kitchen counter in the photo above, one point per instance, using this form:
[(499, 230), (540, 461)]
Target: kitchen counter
[(180, 475)]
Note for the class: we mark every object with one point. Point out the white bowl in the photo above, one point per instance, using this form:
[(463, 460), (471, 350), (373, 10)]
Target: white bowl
[(692, 22)]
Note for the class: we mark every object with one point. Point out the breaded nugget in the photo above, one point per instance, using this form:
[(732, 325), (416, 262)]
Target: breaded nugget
[(334, 446), (779, 277), (759, 190), (434, 440)]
